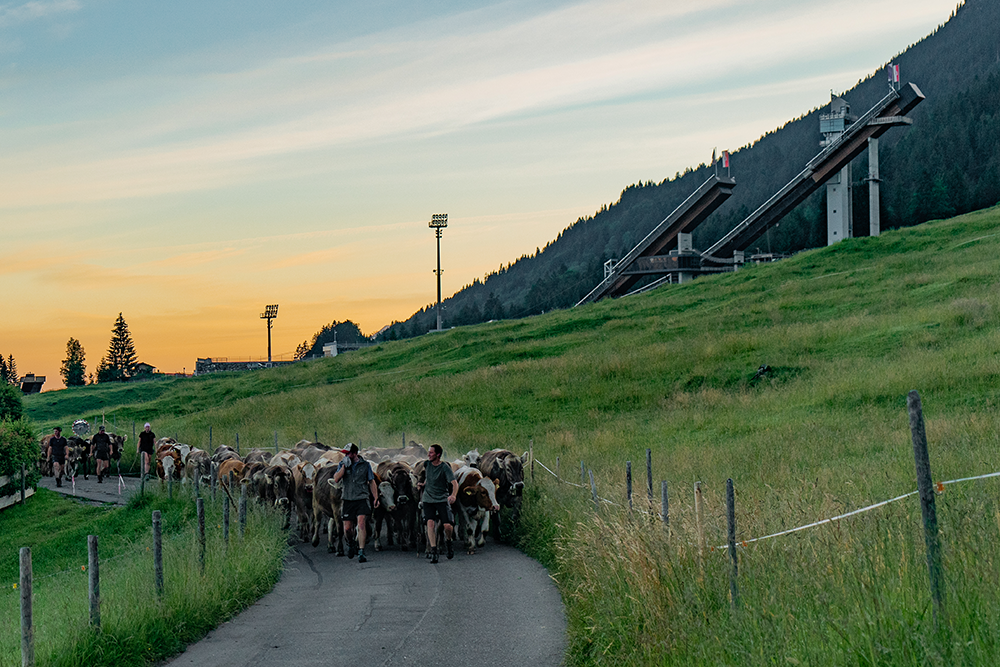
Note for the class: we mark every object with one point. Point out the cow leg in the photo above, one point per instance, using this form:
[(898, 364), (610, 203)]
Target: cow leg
[(317, 522), (479, 538), (377, 533)]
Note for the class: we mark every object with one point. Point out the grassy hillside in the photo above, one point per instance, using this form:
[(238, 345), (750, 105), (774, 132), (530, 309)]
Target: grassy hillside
[(847, 331)]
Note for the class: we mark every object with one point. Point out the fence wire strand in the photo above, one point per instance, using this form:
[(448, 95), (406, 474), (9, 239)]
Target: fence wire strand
[(940, 486)]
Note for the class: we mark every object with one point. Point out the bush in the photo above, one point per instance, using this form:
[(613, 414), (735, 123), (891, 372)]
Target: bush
[(17, 446), (10, 402)]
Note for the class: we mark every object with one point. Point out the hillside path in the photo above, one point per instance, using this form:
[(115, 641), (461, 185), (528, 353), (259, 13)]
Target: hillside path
[(109, 491), (497, 607)]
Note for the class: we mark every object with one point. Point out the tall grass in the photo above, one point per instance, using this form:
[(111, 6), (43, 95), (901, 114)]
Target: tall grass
[(136, 626), (845, 331)]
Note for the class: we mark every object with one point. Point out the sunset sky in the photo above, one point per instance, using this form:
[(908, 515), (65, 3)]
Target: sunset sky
[(186, 163)]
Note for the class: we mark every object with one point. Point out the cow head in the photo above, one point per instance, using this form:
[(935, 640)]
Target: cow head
[(471, 458), (387, 496)]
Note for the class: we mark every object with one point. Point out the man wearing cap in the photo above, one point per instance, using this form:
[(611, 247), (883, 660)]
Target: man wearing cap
[(101, 444), (56, 454), (359, 490), (145, 447), (437, 502)]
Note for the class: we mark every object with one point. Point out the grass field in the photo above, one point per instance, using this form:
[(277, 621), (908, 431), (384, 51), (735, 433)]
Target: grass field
[(847, 331), (136, 627)]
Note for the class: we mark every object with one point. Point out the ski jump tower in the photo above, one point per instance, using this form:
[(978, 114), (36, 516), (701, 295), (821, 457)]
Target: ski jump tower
[(839, 211)]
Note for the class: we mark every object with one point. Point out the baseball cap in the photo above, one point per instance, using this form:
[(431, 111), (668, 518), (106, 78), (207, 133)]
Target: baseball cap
[(350, 449)]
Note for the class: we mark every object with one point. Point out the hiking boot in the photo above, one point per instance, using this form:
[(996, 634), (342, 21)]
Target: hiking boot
[(361, 556), (352, 550), (434, 555), (58, 482), (99, 480), (451, 552)]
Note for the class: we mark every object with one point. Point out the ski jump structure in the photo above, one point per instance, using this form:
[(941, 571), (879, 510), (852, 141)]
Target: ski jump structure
[(683, 263)]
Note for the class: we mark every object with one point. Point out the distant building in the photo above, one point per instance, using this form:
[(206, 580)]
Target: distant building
[(144, 369), (32, 384)]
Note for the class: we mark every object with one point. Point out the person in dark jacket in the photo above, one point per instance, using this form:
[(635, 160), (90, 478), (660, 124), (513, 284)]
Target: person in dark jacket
[(56, 454), (101, 446), (145, 447)]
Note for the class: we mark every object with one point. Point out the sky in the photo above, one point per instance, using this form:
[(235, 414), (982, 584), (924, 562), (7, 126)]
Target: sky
[(187, 163)]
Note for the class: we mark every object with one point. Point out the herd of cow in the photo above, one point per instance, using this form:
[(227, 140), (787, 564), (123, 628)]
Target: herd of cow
[(300, 479)]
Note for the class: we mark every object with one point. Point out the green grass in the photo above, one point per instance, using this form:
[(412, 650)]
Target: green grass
[(847, 331), (136, 628)]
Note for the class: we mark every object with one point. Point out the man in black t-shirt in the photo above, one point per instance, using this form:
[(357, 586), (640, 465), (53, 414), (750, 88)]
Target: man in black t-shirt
[(101, 445), (56, 454), (145, 447)]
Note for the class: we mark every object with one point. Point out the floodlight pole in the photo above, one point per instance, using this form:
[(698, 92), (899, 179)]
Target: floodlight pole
[(438, 222), (270, 312)]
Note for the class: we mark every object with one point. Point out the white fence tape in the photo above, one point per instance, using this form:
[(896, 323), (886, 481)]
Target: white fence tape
[(940, 486)]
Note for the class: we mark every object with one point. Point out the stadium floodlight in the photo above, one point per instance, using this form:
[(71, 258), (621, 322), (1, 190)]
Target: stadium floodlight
[(438, 222), (270, 312)]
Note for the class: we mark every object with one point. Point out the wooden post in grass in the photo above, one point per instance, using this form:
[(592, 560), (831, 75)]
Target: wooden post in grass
[(275, 442), (583, 473), (734, 591), (593, 491), (201, 535), (238, 444), (925, 485), (94, 582), (209, 439), (170, 485), (649, 476), (27, 628), (197, 483), (225, 513), (142, 477), (23, 478), (557, 467), (531, 458), (664, 505), (157, 553), (628, 483), (699, 517), (243, 510)]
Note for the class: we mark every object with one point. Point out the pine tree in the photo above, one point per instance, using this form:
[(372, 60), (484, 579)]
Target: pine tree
[(8, 370), (118, 365), (74, 370), (301, 351)]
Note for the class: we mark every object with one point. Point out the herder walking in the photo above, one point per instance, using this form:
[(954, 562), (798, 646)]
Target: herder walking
[(101, 444), (438, 480), (56, 454), (359, 490)]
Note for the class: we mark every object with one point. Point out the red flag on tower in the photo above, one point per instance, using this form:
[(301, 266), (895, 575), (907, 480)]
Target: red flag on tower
[(893, 73), (725, 159)]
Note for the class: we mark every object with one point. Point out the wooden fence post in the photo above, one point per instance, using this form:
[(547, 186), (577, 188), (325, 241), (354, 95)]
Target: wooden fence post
[(94, 587), (275, 442), (215, 480), (664, 504), (557, 467), (925, 485), (225, 515), (27, 627), (23, 482), (593, 491), (142, 477), (201, 535), (583, 473), (209, 438), (237, 443), (243, 510), (649, 475), (197, 483), (157, 554), (734, 591), (531, 458), (628, 483), (699, 518)]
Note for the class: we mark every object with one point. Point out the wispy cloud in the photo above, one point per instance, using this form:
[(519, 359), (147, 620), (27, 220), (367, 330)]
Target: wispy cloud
[(15, 14)]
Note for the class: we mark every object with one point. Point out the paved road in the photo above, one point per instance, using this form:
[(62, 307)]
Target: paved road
[(111, 490), (497, 608)]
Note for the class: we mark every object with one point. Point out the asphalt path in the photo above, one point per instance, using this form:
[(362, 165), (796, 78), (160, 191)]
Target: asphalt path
[(497, 607)]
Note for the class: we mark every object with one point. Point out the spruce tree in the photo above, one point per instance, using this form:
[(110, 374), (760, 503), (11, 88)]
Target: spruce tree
[(8, 370), (118, 365), (74, 370)]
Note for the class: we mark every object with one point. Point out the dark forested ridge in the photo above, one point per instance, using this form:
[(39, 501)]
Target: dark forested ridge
[(947, 163)]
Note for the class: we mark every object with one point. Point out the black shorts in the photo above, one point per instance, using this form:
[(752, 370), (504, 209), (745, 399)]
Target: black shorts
[(102, 456), (355, 508), (439, 512)]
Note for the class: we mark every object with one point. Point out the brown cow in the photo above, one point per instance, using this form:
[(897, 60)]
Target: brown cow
[(234, 466), (397, 505), (476, 499), (255, 455), (303, 476), (328, 501)]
